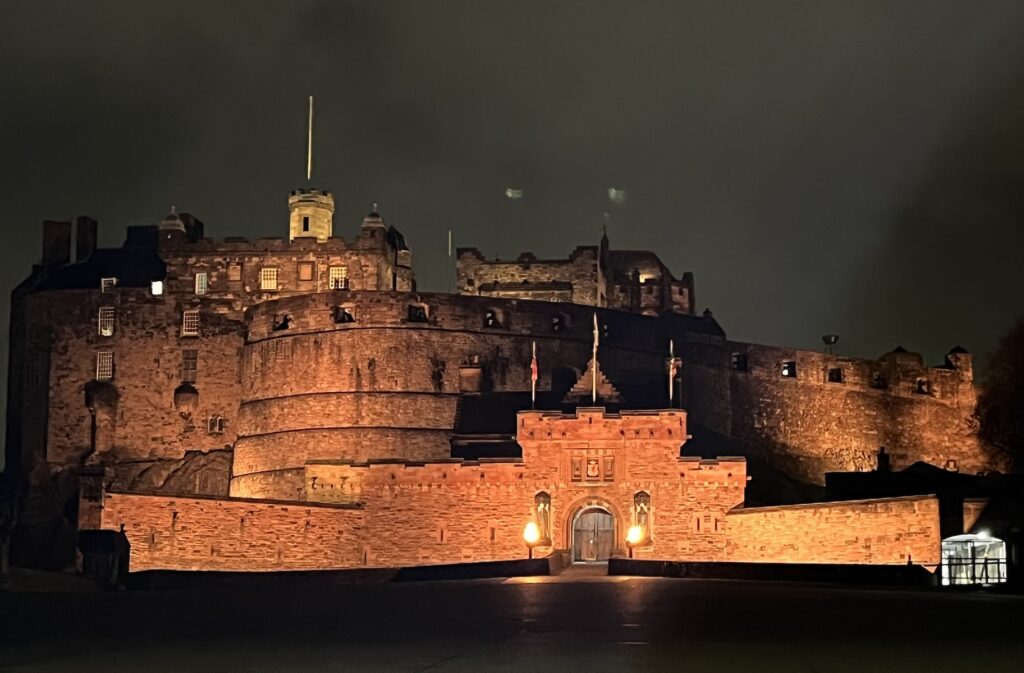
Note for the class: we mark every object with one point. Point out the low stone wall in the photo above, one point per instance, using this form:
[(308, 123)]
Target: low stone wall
[(884, 531), (195, 533)]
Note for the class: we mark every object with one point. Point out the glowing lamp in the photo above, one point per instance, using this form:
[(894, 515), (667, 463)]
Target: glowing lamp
[(531, 533), (983, 534), (635, 535)]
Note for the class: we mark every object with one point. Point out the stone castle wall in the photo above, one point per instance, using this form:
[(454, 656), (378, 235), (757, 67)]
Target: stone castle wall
[(194, 533), (454, 511), (808, 424), (884, 531), (132, 421), (578, 277), (383, 387)]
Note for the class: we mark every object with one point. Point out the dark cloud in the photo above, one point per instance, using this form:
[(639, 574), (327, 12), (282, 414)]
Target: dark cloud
[(821, 167)]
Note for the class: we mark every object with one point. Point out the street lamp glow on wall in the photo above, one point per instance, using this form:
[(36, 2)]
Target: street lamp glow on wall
[(531, 534), (634, 536)]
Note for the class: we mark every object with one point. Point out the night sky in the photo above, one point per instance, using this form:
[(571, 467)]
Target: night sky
[(847, 167)]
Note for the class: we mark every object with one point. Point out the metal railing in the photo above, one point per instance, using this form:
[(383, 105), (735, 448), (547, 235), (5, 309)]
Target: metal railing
[(966, 571)]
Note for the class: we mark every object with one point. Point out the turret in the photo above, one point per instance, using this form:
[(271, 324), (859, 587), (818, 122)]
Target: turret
[(311, 214)]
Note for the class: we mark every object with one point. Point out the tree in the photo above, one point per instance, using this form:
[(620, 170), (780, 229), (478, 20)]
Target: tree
[(1001, 403)]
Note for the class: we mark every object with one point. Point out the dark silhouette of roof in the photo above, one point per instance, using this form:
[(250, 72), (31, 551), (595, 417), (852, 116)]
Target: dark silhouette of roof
[(132, 266)]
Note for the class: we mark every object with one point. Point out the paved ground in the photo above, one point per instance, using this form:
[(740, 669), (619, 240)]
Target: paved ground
[(579, 622)]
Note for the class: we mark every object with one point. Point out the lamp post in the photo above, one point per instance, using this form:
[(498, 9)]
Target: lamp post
[(634, 536), (531, 534)]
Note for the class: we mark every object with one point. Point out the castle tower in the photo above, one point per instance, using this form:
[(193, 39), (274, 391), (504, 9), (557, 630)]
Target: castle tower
[(311, 214)]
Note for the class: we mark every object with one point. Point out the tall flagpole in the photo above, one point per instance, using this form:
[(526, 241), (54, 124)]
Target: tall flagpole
[(533, 377), (448, 275), (309, 143), (671, 371), (593, 369)]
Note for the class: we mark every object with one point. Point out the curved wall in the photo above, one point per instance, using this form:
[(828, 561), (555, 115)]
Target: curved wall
[(386, 388)]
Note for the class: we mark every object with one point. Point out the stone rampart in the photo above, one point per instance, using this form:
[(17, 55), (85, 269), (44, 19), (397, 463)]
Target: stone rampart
[(885, 531)]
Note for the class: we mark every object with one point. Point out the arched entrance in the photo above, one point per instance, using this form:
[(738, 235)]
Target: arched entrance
[(593, 535)]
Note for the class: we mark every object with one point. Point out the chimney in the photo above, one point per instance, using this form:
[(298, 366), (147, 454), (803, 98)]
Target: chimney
[(56, 244), (85, 237)]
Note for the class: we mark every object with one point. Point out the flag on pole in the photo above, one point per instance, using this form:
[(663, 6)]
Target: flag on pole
[(593, 369), (533, 377), (671, 371)]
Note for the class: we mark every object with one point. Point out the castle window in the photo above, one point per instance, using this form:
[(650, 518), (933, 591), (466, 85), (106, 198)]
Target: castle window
[(306, 270), (739, 362), (835, 375), (305, 223), (156, 288), (215, 425), (201, 282), (108, 284), (344, 314), (337, 277), (234, 273), (189, 365), (190, 322), (104, 366), (418, 313), (878, 380), (492, 318), (268, 278), (106, 320), (282, 322), (609, 468), (559, 322), (789, 369), (923, 387)]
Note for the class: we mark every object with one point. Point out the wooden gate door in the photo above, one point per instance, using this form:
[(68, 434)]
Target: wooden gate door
[(593, 536)]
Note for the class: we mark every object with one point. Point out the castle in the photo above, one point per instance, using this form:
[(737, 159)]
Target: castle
[(264, 404)]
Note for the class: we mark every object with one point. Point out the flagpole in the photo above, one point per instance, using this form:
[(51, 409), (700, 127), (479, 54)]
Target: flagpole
[(671, 371), (533, 377), (593, 369)]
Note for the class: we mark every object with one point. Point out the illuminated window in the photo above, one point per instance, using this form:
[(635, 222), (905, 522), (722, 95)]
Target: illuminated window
[(739, 362), (108, 284), (106, 321), (156, 288), (201, 282), (338, 277), (189, 365), (306, 270), (268, 278), (190, 322), (234, 273), (104, 366), (789, 369)]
